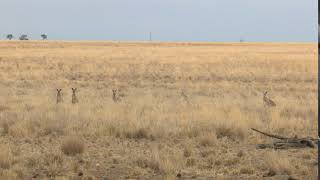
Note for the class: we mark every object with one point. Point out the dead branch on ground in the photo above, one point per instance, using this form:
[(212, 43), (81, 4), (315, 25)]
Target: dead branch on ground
[(287, 142)]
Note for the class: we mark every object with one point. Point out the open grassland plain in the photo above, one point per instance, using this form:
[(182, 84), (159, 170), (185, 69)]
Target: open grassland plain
[(180, 110)]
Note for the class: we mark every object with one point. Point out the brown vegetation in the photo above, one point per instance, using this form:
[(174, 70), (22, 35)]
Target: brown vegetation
[(72, 146), (186, 109)]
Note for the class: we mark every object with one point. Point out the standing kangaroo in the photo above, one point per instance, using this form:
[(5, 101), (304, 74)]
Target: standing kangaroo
[(185, 97), (114, 96), (59, 96), (74, 97), (267, 101)]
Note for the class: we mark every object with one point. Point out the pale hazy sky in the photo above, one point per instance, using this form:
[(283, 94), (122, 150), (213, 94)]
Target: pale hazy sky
[(168, 20)]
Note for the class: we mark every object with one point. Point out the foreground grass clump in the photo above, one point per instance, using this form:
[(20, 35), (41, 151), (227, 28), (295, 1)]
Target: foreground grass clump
[(161, 162), (277, 164), (72, 146)]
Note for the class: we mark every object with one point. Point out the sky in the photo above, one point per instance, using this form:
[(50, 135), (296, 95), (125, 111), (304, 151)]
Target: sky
[(168, 20)]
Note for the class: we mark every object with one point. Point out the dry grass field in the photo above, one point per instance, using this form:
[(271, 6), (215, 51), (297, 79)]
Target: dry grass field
[(185, 110)]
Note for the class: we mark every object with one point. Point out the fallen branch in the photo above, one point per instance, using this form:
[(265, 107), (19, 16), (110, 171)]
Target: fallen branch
[(286, 142), (270, 135)]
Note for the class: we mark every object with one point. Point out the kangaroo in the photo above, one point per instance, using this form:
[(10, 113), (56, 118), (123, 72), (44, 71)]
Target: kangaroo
[(74, 97), (267, 101), (185, 97), (59, 96), (115, 96)]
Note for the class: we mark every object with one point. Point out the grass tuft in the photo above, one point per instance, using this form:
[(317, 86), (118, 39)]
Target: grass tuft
[(277, 164), (72, 146)]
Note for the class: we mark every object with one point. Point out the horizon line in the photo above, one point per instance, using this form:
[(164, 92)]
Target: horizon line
[(153, 41)]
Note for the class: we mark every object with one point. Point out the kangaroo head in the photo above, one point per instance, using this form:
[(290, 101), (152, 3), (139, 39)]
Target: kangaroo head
[(265, 93), (114, 92), (74, 90), (59, 91)]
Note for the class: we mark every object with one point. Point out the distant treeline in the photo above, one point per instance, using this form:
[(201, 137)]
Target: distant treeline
[(24, 37)]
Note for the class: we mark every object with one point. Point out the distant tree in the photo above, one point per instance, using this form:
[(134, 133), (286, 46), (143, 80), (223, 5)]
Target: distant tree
[(9, 36), (44, 36), (23, 37), (241, 40)]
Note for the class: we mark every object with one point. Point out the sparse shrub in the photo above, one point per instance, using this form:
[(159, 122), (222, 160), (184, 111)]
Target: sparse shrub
[(72, 146)]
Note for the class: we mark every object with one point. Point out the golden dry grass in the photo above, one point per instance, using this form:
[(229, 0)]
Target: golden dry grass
[(186, 108)]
